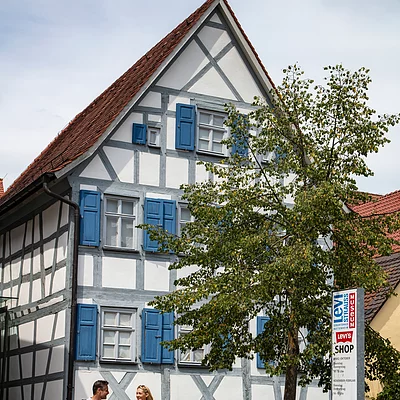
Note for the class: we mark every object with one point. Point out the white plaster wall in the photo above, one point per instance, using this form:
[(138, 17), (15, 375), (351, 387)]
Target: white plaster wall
[(65, 213), (124, 132), (25, 332), (6, 273), (26, 363), (149, 169), (122, 162), (95, 169), (17, 238), (183, 387), (164, 196), (230, 388), (14, 368), (36, 290), (60, 327), (28, 239), (41, 361), (15, 268), (14, 393), (177, 172), (44, 328), (154, 118), (36, 261), (84, 379), (316, 393), (212, 84), (202, 174), (62, 247), (7, 247), (152, 99), (58, 282), (156, 275), (48, 253), (24, 294), (189, 63), (57, 360), (87, 187), (1, 247), (215, 18), (174, 100), (38, 391), (54, 390), (214, 39), (50, 219), (236, 71), (119, 273), (85, 270), (262, 392), (26, 265), (171, 122), (36, 234)]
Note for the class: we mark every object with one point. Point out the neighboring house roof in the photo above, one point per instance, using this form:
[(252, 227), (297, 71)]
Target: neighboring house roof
[(1, 187), (373, 302), (88, 126)]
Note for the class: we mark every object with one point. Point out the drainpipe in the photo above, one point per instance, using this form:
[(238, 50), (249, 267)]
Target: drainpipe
[(71, 355)]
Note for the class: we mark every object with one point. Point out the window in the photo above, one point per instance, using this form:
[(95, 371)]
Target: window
[(261, 321), (191, 356), (89, 205), (120, 221), (184, 217), (118, 334), (156, 327), (160, 213), (154, 136), (86, 332), (211, 132), (139, 133)]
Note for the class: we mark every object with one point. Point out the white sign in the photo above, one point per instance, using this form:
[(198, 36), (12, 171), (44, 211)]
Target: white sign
[(347, 345)]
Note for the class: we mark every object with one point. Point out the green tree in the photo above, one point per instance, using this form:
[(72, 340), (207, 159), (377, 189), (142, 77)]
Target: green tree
[(258, 228)]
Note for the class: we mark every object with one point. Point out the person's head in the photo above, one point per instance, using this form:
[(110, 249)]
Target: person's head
[(100, 388), (143, 393)]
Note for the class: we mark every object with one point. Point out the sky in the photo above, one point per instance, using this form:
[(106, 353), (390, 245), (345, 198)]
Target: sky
[(56, 56)]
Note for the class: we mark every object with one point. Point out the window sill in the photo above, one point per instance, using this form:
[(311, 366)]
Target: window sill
[(211, 153), (118, 362), (191, 365), (120, 249)]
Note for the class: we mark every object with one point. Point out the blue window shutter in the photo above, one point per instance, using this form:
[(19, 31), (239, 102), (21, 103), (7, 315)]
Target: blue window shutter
[(260, 329), (90, 218), (185, 126), (167, 356), (152, 215), (86, 332), (151, 335), (240, 147), (139, 133), (169, 216)]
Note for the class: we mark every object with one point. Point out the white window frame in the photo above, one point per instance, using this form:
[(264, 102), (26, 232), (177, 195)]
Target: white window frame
[(120, 216), (211, 129), (118, 329), (157, 131), (183, 330), (181, 222)]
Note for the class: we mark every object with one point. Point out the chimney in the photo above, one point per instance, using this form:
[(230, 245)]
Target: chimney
[(1, 187)]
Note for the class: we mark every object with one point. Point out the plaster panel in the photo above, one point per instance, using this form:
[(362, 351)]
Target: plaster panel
[(236, 70), (230, 388), (24, 294), (36, 233), (14, 393), (119, 273), (38, 391), (44, 329), (171, 133), (124, 132), (174, 100), (15, 268), (25, 332), (262, 391), (60, 328), (152, 99), (188, 64), (27, 359), (7, 273), (41, 361), (202, 174), (214, 39), (36, 261), (212, 84), (36, 290), (177, 172), (215, 18), (59, 280), (95, 169), (7, 246), (54, 390), (186, 271), (315, 393), (88, 187), (85, 270), (50, 219), (26, 265), (28, 239), (151, 380), (183, 387), (62, 247), (64, 213), (164, 196), (84, 379), (17, 238), (57, 360), (122, 162), (49, 253), (14, 368), (154, 118), (156, 275), (149, 169)]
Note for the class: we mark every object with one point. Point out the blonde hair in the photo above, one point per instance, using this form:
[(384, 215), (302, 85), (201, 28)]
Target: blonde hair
[(147, 391)]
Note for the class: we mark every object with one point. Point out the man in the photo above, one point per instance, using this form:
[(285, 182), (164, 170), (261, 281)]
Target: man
[(100, 390)]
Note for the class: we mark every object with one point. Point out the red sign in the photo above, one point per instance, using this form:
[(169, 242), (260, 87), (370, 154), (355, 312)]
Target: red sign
[(344, 336), (352, 310)]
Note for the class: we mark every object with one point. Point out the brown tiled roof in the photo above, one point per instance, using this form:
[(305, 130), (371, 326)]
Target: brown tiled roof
[(87, 127), (1, 187), (374, 301)]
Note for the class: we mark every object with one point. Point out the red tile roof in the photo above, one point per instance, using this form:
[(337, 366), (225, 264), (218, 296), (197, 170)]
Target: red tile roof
[(373, 302), (88, 126), (1, 187)]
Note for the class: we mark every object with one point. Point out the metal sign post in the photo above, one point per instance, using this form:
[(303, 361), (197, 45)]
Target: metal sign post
[(348, 345)]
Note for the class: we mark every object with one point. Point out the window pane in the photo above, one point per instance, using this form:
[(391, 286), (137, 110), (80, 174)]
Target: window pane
[(218, 136), (127, 207), (109, 337), (204, 134), (125, 319), (198, 355), (203, 145), (127, 227), (217, 147), (108, 351), (185, 214), (205, 118), (112, 205), (185, 356), (110, 318), (218, 120), (125, 338), (124, 352), (153, 137)]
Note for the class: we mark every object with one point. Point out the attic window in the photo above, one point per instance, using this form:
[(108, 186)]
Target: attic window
[(154, 136)]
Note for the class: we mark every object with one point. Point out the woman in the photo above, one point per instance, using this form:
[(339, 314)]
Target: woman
[(143, 393)]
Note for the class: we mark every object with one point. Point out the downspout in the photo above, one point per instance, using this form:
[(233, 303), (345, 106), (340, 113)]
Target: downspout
[(74, 289)]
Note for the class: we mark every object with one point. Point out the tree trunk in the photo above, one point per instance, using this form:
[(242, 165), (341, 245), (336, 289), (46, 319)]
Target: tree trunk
[(291, 370)]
